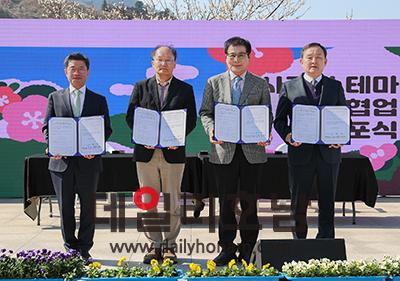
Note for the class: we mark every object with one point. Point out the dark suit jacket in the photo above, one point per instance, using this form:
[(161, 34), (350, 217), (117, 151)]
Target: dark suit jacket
[(59, 105), (293, 92), (180, 96)]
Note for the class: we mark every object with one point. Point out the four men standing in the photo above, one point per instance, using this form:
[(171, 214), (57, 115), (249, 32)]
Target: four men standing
[(238, 166)]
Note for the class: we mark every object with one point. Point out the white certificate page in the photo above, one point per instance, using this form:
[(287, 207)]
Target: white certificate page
[(62, 136), (91, 135), (306, 123), (255, 123), (335, 125), (146, 126), (227, 122), (173, 128)]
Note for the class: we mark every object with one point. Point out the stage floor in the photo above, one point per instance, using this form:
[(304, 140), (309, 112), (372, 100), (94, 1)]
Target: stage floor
[(375, 234)]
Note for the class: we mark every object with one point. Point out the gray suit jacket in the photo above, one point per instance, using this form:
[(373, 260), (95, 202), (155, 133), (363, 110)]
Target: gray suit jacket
[(59, 105), (218, 89)]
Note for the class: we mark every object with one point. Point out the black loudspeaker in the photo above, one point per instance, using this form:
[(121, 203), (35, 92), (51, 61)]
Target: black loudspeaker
[(277, 252)]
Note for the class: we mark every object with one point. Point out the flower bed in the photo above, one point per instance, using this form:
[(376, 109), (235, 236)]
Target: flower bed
[(41, 264), (167, 271), (233, 271), (45, 264), (325, 270)]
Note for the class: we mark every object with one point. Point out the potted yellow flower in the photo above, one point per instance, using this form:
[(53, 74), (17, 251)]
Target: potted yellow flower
[(166, 272), (233, 272)]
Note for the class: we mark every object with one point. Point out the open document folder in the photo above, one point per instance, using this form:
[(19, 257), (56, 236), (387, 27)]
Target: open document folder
[(241, 124), (70, 136), (159, 129), (321, 124)]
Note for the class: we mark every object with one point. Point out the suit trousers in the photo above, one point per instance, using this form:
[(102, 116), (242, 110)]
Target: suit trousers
[(302, 179), (66, 185), (238, 179), (166, 178)]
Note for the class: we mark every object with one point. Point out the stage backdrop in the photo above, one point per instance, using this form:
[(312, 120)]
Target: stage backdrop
[(364, 55)]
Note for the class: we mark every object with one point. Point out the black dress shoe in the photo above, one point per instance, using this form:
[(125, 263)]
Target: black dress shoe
[(244, 256), (198, 207), (224, 258), (85, 254), (153, 254), (245, 251), (169, 253), (86, 257)]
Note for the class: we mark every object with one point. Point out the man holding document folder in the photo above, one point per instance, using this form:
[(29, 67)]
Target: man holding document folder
[(158, 167), (310, 91), (237, 162), (73, 175)]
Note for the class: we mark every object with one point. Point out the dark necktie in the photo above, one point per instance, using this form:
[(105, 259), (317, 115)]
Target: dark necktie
[(162, 93), (314, 88)]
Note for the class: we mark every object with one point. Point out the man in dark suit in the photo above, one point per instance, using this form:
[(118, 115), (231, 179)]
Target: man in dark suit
[(236, 162), (162, 169), (309, 160), (76, 175)]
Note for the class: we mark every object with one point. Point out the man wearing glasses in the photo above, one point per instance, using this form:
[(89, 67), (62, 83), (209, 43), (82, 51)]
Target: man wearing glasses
[(236, 163), (162, 169)]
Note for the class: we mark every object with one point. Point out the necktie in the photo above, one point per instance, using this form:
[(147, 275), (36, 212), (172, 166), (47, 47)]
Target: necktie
[(236, 91), (314, 88), (76, 107), (314, 83), (162, 93)]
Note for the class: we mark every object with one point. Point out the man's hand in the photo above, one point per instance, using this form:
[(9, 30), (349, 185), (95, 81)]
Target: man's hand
[(149, 147), (56, 157), (265, 143), (172, 147), (335, 146), (212, 138), (292, 143), (88, 156)]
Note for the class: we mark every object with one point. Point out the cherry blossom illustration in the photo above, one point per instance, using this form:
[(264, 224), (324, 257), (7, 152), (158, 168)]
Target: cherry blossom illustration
[(379, 155), (25, 119), (7, 97)]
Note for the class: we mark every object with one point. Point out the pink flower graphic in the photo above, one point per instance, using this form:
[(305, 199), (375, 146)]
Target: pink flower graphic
[(378, 156), (7, 97), (25, 118)]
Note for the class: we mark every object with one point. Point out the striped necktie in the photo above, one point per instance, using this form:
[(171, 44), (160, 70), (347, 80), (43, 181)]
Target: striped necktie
[(236, 91), (314, 83)]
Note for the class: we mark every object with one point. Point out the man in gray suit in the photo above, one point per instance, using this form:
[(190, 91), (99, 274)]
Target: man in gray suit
[(76, 175), (236, 162), (309, 160)]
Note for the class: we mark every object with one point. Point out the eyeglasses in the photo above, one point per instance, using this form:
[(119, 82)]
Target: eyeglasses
[(169, 62), (240, 56)]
